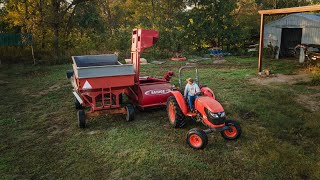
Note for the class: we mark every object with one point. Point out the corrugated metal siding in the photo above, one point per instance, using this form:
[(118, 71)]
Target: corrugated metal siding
[(310, 36), (310, 29), (272, 35)]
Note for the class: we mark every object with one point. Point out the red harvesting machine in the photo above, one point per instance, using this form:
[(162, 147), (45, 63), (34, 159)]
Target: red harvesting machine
[(100, 81)]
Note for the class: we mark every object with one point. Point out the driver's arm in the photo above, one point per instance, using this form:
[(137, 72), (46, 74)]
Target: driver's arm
[(197, 89), (186, 91)]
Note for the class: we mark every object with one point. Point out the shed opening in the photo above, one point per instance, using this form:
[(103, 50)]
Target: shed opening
[(290, 38)]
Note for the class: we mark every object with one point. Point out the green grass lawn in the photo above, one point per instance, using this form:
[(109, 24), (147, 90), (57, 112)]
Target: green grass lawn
[(39, 137)]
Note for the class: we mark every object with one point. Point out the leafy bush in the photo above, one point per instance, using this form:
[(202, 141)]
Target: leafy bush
[(315, 81), (271, 51)]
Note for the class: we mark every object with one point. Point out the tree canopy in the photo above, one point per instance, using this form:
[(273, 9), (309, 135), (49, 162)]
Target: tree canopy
[(61, 28)]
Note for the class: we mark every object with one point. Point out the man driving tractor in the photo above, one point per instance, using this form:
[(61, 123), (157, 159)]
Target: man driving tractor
[(191, 92), (206, 109)]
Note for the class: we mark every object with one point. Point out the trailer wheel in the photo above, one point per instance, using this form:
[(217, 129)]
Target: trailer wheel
[(234, 132), (77, 104), (197, 139), (175, 114), (130, 112), (81, 119)]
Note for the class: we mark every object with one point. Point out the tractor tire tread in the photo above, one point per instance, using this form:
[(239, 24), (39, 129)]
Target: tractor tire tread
[(179, 122), (202, 134)]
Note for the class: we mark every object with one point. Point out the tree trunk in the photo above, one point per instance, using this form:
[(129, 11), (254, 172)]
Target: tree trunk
[(68, 27), (56, 39), (43, 31), (26, 16), (107, 12), (56, 26)]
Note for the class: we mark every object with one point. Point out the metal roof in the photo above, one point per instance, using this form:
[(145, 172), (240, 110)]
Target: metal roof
[(312, 17)]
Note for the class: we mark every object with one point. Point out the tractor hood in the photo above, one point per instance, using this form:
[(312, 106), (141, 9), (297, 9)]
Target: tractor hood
[(209, 103)]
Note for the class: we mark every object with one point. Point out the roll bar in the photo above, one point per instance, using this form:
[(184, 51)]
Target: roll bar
[(180, 75)]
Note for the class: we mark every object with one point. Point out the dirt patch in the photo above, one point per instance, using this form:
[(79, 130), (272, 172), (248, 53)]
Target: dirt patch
[(56, 131), (50, 89), (221, 61), (247, 114), (94, 132), (281, 79), (314, 88), (310, 101), (3, 82)]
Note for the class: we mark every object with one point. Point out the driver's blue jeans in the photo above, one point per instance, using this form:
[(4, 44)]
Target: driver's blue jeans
[(191, 101)]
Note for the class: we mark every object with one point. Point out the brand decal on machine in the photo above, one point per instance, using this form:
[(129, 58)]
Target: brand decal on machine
[(157, 91)]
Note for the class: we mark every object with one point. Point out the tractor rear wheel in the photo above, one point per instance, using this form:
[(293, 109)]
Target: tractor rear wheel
[(234, 132), (130, 112), (197, 139), (81, 119), (175, 114)]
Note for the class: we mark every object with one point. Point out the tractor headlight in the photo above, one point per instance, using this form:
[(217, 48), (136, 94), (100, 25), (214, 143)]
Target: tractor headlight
[(215, 115), (218, 115), (216, 118)]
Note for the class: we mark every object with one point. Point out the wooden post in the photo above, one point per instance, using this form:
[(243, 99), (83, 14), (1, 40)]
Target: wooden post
[(261, 43)]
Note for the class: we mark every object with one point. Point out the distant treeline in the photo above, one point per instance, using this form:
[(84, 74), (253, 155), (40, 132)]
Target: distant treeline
[(61, 28)]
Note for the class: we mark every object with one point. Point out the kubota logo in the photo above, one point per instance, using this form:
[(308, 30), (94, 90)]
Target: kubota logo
[(156, 92)]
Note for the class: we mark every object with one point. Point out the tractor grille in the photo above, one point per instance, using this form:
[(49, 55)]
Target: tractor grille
[(217, 121)]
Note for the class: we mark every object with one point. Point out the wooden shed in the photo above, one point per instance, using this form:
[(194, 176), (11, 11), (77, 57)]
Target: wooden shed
[(291, 30)]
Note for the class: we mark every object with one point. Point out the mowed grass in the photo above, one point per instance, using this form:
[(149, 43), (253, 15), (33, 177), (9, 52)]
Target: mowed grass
[(39, 137)]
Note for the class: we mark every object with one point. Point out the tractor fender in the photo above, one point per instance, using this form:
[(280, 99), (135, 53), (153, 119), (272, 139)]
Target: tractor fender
[(208, 92), (180, 100)]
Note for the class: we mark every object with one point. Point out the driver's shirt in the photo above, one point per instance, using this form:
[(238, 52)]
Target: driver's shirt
[(191, 89)]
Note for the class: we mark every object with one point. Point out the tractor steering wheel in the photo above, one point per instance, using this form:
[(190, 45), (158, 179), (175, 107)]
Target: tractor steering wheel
[(199, 94)]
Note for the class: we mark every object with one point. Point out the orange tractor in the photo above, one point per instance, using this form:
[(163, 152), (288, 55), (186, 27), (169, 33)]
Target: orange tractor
[(207, 110)]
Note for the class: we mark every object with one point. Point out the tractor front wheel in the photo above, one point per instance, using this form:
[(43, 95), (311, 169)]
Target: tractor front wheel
[(234, 132), (130, 112), (175, 114), (197, 139), (81, 119)]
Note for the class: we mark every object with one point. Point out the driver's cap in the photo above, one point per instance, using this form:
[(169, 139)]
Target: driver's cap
[(189, 79)]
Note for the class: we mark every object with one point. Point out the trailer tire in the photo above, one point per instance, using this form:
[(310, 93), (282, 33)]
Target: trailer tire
[(130, 112), (197, 138), (77, 104), (81, 119), (175, 114)]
